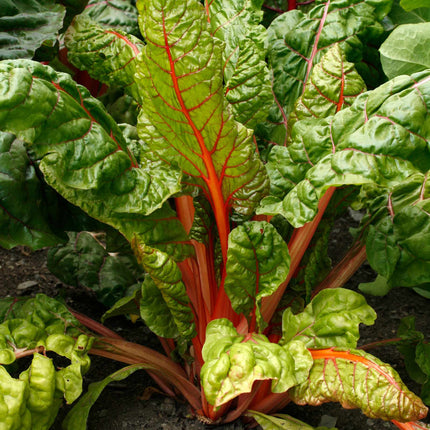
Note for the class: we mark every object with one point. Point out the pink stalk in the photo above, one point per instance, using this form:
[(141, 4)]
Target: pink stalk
[(95, 326)]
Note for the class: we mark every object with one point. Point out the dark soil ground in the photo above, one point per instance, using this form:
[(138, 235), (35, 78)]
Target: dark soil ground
[(127, 406)]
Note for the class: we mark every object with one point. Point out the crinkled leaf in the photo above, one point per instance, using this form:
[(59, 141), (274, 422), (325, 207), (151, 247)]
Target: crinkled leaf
[(119, 14), (23, 203), (25, 26), (76, 419), (381, 139), (84, 261), (405, 51), (233, 364), (184, 116), (166, 278), (108, 55), (257, 263), (246, 75), (298, 39), (376, 387), (82, 152), (281, 422), (332, 318)]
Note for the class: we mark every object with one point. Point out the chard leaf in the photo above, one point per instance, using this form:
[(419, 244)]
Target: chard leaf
[(107, 55), (181, 84), (127, 305), (405, 52), (298, 39), (399, 16), (413, 4), (233, 364), (84, 261), (81, 150), (246, 75), (332, 318), (26, 26), (77, 418), (281, 422), (172, 297), (257, 263), (382, 139), (118, 14), (23, 199), (333, 85), (376, 388)]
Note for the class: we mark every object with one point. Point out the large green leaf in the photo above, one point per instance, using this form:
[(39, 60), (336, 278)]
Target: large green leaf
[(375, 387), (26, 25), (332, 318), (108, 55), (85, 261), (405, 50), (81, 150), (118, 14), (233, 364), (298, 39), (257, 263), (399, 16), (413, 4), (246, 75), (381, 139), (184, 116)]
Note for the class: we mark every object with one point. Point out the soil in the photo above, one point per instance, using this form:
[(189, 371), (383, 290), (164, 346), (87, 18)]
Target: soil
[(135, 403)]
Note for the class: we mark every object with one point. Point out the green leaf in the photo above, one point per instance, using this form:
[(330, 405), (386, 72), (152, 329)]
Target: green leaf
[(108, 55), (172, 295), (84, 261), (297, 40), (405, 52), (233, 364), (105, 181), (399, 16), (246, 75), (25, 26), (77, 418), (184, 116), (118, 14), (332, 318), (127, 305), (281, 422), (413, 4), (380, 140), (24, 219), (257, 263), (375, 388), (333, 84)]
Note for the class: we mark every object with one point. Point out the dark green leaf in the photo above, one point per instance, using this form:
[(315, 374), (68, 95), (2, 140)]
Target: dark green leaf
[(413, 4)]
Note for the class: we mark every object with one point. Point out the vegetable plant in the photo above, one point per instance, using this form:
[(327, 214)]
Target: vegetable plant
[(244, 142)]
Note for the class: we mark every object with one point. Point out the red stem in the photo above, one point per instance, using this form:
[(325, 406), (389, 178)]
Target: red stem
[(292, 4), (380, 343), (95, 326), (297, 246), (341, 273)]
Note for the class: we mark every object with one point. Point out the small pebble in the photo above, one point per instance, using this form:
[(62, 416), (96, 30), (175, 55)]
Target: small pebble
[(27, 284)]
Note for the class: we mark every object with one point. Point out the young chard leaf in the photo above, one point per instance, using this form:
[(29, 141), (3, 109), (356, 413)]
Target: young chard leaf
[(233, 364), (246, 75), (108, 55), (181, 83), (331, 319), (375, 388), (281, 422), (257, 262)]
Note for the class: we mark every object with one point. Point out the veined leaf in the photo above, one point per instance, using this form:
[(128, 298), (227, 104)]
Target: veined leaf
[(281, 422), (118, 14), (233, 364), (404, 51), (399, 16), (298, 39), (381, 139), (25, 26), (171, 296), (375, 388), (413, 4), (332, 318), (246, 75), (181, 82), (257, 263), (81, 150), (108, 55)]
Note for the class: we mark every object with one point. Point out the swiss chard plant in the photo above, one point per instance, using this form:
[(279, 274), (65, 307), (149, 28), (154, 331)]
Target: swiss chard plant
[(210, 209)]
